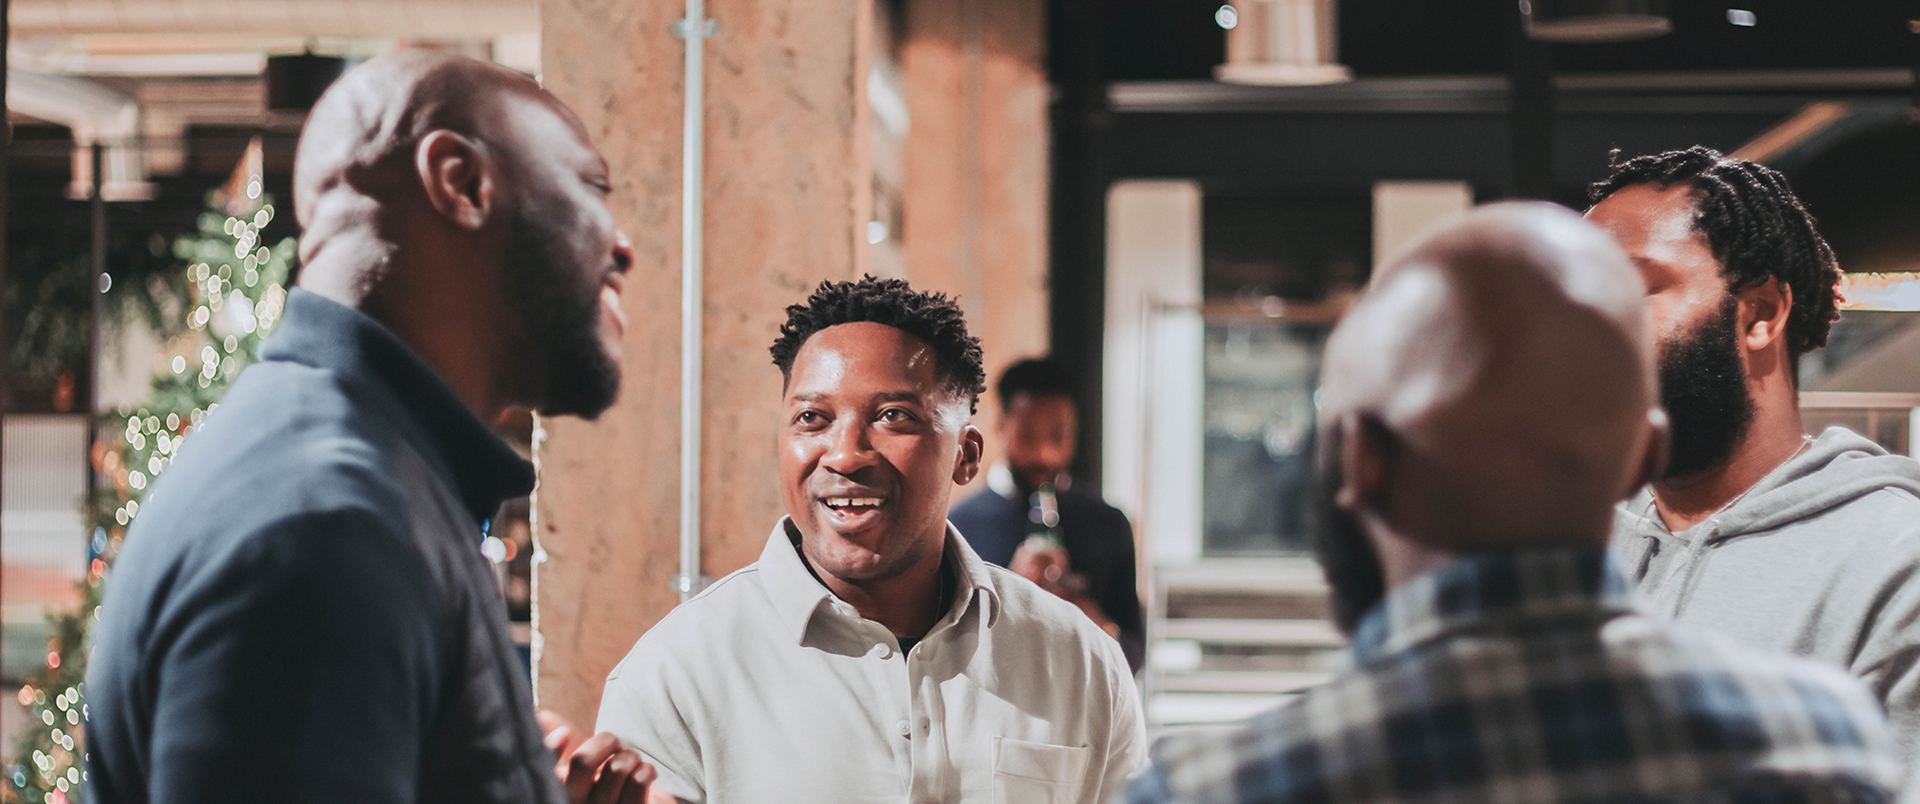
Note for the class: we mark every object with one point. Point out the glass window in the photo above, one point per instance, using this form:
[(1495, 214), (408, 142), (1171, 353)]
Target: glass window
[(1277, 273)]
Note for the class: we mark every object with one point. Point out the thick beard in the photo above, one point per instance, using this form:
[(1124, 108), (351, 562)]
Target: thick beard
[(1354, 576), (561, 313), (1703, 387)]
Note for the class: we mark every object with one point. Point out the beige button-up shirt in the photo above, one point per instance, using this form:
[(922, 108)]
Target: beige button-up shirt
[(768, 688)]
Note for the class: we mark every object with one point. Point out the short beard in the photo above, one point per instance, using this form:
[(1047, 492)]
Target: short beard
[(1354, 576), (560, 313), (1703, 387)]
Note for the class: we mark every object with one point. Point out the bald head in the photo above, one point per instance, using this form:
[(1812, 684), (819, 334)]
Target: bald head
[(1502, 374), (379, 111), (462, 206)]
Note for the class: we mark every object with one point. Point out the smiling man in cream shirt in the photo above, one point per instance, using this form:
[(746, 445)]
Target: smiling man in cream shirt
[(870, 655)]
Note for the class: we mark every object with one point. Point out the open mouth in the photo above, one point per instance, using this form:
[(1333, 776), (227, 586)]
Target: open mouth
[(610, 289), (853, 510)]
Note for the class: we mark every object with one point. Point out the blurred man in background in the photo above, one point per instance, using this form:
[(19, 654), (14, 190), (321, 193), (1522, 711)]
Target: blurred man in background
[(1032, 520), (1484, 407), (1757, 530), (301, 612)]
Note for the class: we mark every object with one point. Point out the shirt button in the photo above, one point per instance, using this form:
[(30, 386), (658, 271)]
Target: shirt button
[(883, 651), (904, 730)]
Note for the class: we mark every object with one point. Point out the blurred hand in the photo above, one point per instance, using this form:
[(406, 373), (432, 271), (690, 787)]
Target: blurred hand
[(1045, 566), (595, 770)]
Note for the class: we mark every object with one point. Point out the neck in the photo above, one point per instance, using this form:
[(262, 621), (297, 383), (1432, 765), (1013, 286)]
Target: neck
[(433, 320), (908, 604), (1775, 436)]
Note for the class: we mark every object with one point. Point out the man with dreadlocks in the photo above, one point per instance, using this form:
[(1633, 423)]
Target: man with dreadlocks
[(870, 655), (1779, 539)]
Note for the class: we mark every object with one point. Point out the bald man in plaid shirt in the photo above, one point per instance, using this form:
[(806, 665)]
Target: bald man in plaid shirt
[(1483, 408)]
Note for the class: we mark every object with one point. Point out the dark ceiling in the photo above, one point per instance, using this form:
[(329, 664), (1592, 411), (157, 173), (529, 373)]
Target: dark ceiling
[(1152, 40)]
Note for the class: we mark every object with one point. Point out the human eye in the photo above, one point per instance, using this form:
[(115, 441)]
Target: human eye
[(809, 420), (896, 416)]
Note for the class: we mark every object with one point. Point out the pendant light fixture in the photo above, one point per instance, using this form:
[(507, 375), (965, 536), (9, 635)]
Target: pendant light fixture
[(1590, 21)]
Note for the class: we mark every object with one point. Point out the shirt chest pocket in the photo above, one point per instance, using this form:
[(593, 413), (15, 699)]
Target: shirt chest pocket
[(1037, 773)]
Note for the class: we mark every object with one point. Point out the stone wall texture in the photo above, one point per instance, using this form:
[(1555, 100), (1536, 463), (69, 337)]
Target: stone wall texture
[(788, 193)]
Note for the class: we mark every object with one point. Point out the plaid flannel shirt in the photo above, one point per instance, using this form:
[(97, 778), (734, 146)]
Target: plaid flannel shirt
[(1535, 677)]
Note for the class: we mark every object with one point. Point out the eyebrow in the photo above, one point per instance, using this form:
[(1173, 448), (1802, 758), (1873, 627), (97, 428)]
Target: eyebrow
[(884, 396)]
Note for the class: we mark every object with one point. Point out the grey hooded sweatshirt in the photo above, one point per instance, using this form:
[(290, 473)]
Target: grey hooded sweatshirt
[(1820, 559)]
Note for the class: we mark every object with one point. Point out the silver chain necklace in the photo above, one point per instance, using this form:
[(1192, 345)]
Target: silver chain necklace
[(1806, 441)]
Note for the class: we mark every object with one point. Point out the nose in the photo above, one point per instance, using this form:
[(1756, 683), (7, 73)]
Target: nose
[(849, 450), (622, 252)]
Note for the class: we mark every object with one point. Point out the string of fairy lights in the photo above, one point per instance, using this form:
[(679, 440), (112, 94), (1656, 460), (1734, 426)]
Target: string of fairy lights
[(237, 294)]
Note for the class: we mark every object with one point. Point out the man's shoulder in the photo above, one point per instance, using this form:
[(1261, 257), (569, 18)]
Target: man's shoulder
[(1753, 717), (281, 476), (1031, 613), (1788, 710), (1677, 653), (291, 437), (725, 606)]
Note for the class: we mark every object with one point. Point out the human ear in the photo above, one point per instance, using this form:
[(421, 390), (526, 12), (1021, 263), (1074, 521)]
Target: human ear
[(1764, 310), (454, 173), (1365, 449), (972, 446)]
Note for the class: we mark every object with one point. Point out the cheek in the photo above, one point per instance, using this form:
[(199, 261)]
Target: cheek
[(1678, 312), (797, 459), (922, 459)]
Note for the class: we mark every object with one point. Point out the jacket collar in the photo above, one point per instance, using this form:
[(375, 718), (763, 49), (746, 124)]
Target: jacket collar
[(324, 334), (1494, 590), (801, 600)]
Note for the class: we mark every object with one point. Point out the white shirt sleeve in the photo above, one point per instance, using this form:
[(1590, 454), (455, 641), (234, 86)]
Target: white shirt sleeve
[(637, 707)]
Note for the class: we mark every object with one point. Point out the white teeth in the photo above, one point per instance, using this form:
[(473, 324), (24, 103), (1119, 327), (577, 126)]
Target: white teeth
[(849, 502)]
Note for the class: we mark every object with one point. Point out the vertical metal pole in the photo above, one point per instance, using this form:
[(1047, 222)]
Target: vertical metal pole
[(691, 307)]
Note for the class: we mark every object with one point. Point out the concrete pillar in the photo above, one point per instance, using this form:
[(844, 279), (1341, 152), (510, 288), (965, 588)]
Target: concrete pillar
[(976, 192), (789, 193)]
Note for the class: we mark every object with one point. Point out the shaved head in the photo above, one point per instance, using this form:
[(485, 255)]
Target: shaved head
[(377, 112), (462, 206), (1494, 390)]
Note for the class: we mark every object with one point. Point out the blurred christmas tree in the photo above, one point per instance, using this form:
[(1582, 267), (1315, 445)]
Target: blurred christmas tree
[(237, 290)]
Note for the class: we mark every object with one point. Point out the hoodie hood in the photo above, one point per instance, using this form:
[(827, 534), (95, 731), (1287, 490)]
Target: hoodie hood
[(1839, 467)]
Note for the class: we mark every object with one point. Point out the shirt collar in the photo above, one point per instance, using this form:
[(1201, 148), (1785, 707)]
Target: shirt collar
[(1494, 588), (800, 598), (324, 334)]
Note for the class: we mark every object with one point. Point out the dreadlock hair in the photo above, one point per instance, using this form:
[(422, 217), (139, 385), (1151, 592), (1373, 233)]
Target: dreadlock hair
[(1757, 228), (931, 317)]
